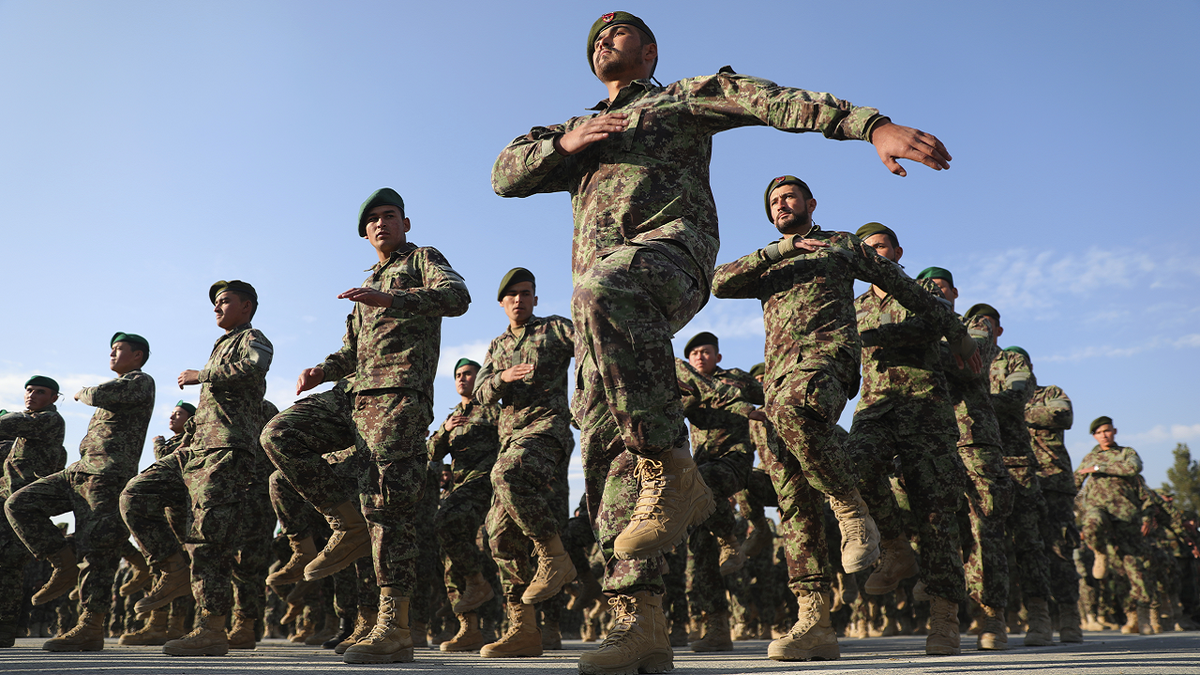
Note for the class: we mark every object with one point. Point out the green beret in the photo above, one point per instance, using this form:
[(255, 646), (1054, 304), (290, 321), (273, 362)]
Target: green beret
[(982, 309), (937, 273), (236, 285), (381, 197), (515, 276), (758, 369), (136, 341), (778, 182), (1018, 350), (1098, 422), (191, 409), (464, 361), (699, 340), (614, 19), (42, 381), (871, 229)]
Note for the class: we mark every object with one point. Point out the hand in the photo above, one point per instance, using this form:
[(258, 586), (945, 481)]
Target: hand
[(367, 296), (78, 394), (456, 421), (1090, 469), (1147, 526), (757, 415), (1195, 552), (598, 128), (188, 377), (790, 247), (309, 378), (893, 142), (516, 372), (974, 362)]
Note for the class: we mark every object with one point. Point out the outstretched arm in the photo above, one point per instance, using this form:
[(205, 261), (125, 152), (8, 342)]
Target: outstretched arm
[(893, 142)]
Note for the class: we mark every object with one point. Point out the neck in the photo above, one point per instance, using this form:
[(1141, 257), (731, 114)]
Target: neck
[(615, 87), (514, 326), (466, 400)]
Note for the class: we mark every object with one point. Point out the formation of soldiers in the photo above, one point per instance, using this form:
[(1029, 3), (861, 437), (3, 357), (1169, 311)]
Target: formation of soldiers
[(951, 497)]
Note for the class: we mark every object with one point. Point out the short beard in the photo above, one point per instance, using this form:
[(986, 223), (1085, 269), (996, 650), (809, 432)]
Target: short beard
[(805, 218)]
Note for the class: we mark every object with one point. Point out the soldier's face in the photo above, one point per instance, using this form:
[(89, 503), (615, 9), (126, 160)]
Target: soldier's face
[(387, 229), (37, 398), (1106, 436), (464, 380), (948, 291), (619, 51), (518, 302), (123, 358), (178, 418), (704, 358), (883, 246), (231, 310), (790, 210)]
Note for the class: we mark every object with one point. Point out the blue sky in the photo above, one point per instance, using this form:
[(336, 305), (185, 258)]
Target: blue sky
[(149, 149)]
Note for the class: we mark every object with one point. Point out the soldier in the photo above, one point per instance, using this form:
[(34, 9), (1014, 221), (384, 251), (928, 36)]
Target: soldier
[(905, 412), (472, 439), (805, 282), (180, 414), (391, 347), (525, 374), (91, 488), (211, 476), (34, 440), (644, 250)]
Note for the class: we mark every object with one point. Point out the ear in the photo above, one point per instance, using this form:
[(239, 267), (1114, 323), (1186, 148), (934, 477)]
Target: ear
[(899, 253), (535, 301), (718, 358), (407, 225), (812, 205), (650, 52)]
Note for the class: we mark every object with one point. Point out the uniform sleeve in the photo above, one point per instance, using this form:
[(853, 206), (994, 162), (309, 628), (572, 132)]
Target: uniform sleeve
[(489, 388), (1049, 408), (1124, 462), (256, 353), (1012, 383), (890, 277), (530, 164), (439, 442), (443, 293), (122, 393), (742, 278), (344, 361)]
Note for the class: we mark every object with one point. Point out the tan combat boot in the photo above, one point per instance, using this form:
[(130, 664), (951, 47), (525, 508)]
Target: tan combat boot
[(1145, 620), (678, 636), (759, 537), (717, 636), (389, 640), (554, 570), (418, 631), (1040, 632), (241, 634), (523, 637), (943, 628), (551, 636), (64, 574), (584, 591), (304, 551), (469, 637), (477, 592), (367, 616), (1133, 624), (732, 559), (993, 633), (153, 633), (812, 638), (174, 581), (637, 642), (350, 541), (1156, 623), (1100, 566), (860, 537), (175, 627), (1068, 624), (141, 575), (328, 629), (672, 497), (86, 636), (208, 639), (897, 562)]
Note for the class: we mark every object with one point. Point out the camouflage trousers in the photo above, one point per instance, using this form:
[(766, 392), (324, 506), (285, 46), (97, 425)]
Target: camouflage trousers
[(758, 495), (1024, 526), (252, 561), (726, 476), (982, 530), (804, 414), (99, 530), (923, 437), (675, 601), (1061, 538), (428, 563), (1102, 532), (13, 559), (458, 519), (802, 522)]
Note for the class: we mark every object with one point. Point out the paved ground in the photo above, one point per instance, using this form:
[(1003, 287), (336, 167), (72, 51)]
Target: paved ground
[(1101, 654)]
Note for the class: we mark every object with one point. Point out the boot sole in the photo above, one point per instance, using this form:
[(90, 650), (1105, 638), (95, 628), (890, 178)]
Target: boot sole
[(219, 650), (91, 647), (403, 656), (322, 572), (463, 648), (823, 653), (650, 663), (699, 513)]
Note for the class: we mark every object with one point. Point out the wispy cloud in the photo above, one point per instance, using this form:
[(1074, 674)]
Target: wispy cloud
[(1179, 433), (452, 353), (1111, 352)]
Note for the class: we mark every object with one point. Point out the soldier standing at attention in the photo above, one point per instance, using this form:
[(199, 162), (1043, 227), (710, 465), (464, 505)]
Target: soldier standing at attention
[(35, 451), (91, 488), (805, 282), (645, 246), (211, 476), (525, 374)]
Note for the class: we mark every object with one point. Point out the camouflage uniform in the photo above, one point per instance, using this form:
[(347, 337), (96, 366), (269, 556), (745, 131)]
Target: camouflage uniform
[(253, 558), (213, 474), (535, 442), (645, 244), (1048, 415), (812, 354), (1112, 515), (905, 413), (91, 487)]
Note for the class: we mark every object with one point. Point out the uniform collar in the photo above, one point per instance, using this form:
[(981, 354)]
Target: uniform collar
[(628, 93)]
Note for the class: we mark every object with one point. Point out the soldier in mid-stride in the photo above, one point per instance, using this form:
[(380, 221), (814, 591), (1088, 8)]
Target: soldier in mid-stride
[(644, 250)]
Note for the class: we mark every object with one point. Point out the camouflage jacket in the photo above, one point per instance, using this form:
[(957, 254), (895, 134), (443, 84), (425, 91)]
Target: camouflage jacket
[(717, 405), (650, 184), (472, 446), (165, 446), (1011, 383), (398, 346), (1048, 415), (117, 433), (537, 403), (232, 386), (808, 307), (1115, 485), (37, 448), (969, 391)]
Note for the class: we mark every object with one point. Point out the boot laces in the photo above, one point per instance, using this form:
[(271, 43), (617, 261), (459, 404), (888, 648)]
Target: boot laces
[(652, 481), (623, 607)]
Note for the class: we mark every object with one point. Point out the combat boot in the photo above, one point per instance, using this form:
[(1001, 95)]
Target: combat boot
[(812, 638), (367, 616), (759, 537), (141, 574), (1100, 566), (8, 633), (175, 627), (637, 642), (993, 633), (1068, 623), (469, 637), (304, 551), (732, 558), (241, 634), (208, 639), (584, 591), (672, 496), (346, 630), (389, 640), (523, 637), (717, 636), (1040, 633), (477, 592), (63, 576), (418, 631), (327, 630), (349, 542), (1145, 627), (554, 570), (679, 634), (896, 563), (1156, 618), (860, 537), (551, 636), (1133, 624), (943, 628), (86, 636), (153, 633), (174, 581)]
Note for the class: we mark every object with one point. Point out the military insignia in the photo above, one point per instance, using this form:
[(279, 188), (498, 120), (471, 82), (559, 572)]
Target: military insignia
[(779, 180), (608, 17)]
